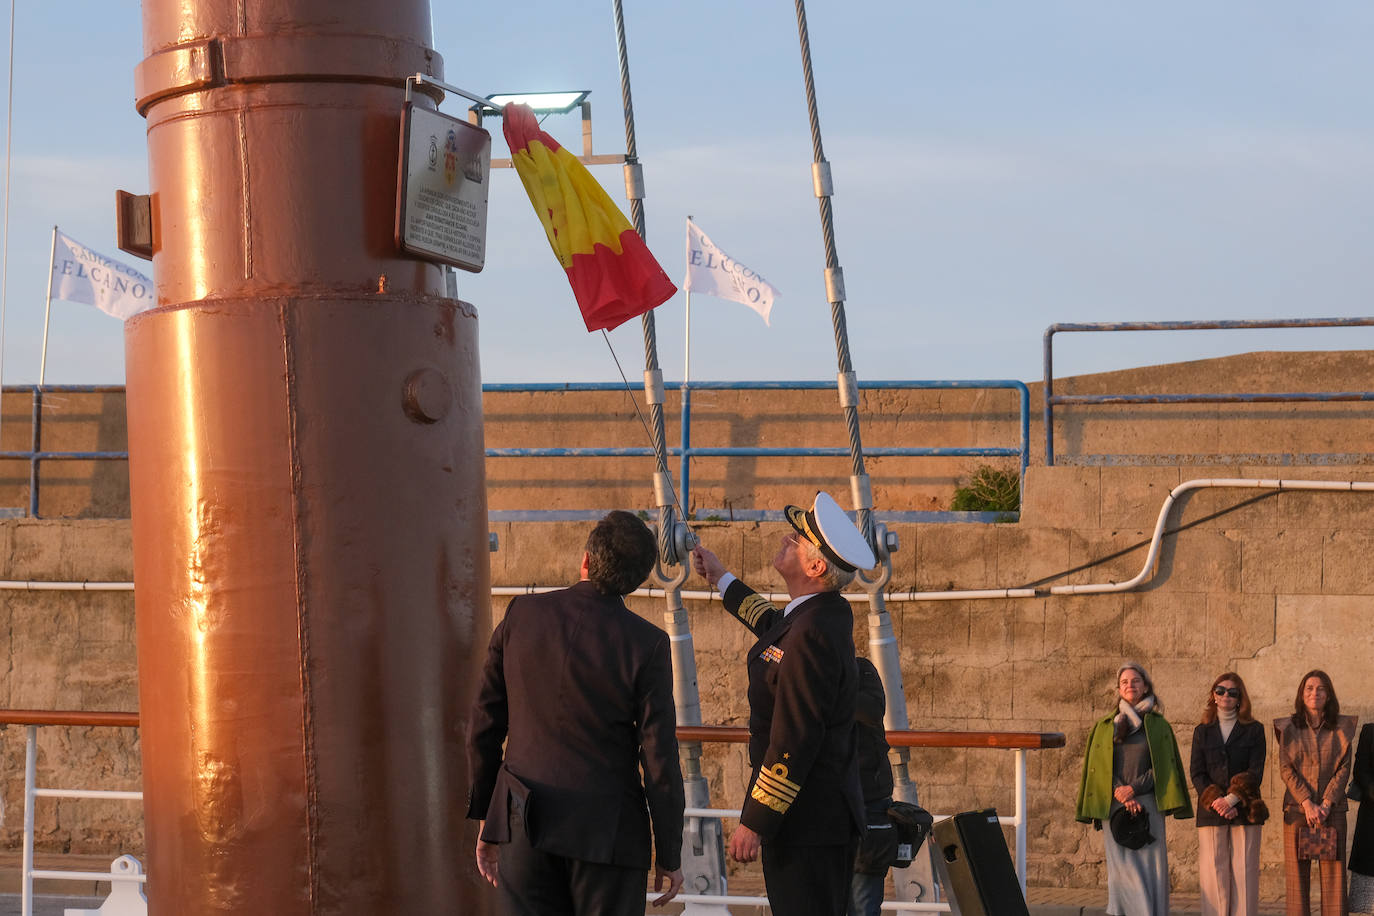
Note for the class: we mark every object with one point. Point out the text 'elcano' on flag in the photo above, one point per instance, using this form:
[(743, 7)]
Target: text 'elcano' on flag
[(713, 272), (80, 274)]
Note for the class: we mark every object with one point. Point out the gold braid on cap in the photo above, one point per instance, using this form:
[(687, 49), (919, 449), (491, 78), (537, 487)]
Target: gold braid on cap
[(811, 534)]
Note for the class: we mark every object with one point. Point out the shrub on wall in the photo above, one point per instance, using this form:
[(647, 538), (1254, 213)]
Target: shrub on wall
[(989, 490)]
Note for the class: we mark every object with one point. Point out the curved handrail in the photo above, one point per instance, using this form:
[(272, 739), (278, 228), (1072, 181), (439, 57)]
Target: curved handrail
[(1005, 740)]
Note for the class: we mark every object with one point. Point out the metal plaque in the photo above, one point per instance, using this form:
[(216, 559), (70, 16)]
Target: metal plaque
[(441, 210)]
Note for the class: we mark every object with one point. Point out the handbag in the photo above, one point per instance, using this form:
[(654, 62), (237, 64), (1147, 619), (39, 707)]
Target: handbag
[(1317, 843), (913, 825)]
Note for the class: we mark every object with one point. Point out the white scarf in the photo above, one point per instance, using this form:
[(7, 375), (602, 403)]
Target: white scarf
[(1133, 714)]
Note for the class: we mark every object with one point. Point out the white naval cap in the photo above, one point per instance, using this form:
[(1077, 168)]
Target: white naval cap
[(827, 526)]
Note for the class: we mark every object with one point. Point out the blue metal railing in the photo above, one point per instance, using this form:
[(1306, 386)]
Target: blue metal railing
[(1051, 399), (35, 456), (685, 452)]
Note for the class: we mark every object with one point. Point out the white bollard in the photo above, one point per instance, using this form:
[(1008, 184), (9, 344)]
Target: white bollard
[(126, 892)]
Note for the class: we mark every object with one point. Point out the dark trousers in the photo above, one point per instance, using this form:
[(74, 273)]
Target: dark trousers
[(534, 883), (808, 880)]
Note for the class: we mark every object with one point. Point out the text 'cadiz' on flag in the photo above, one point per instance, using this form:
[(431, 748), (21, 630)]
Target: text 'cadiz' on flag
[(80, 274)]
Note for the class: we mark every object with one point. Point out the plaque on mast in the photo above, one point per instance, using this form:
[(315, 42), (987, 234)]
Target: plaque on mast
[(441, 208)]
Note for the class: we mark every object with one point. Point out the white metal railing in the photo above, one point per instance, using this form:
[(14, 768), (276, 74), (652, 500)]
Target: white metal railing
[(126, 869), (1017, 742)]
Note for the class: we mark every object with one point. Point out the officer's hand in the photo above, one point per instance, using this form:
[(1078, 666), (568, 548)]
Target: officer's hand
[(744, 845), (674, 879), (707, 565), (487, 862)]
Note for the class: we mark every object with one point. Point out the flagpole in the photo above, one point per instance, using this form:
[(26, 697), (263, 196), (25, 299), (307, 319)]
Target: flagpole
[(47, 309), (687, 357), (685, 418), (5, 231)]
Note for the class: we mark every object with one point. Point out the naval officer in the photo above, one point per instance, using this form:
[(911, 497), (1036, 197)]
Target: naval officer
[(579, 689), (804, 808)]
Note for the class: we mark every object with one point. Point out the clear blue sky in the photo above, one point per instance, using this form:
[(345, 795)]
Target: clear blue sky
[(998, 167)]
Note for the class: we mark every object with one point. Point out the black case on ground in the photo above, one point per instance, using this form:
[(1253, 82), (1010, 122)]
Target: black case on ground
[(979, 877)]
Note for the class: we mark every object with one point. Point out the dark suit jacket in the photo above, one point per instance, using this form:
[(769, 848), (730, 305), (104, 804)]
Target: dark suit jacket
[(581, 691), (1214, 762), (875, 769), (1362, 777), (803, 686)]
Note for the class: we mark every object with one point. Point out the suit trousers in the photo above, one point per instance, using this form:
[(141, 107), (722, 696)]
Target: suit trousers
[(808, 880), (1228, 869), (1297, 873), (535, 883)]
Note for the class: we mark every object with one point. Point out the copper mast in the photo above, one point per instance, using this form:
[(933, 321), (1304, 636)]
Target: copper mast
[(310, 533)]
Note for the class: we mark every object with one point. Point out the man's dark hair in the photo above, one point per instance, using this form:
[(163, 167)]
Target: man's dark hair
[(621, 551)]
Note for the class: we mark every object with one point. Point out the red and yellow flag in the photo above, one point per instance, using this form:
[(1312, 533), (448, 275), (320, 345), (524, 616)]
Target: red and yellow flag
[(613, 274)]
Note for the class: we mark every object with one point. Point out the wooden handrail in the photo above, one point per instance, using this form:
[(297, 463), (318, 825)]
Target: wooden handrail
[(712, 733), (67, 717), (1002, 740)]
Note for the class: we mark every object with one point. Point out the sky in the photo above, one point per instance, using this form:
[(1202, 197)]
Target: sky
[(998, 167)]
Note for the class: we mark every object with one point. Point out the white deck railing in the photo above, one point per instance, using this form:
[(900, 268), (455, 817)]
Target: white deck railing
[(126, 869), (1017, 742)]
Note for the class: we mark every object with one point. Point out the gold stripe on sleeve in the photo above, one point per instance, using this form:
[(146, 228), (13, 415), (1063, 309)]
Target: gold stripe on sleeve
[(754, 607)]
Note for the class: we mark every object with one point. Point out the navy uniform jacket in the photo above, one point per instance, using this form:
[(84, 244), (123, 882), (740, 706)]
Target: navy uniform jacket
[(580, 689), (803, 687)]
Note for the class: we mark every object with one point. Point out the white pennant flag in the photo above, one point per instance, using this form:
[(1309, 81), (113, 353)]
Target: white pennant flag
[(715, 273), (82, 275)]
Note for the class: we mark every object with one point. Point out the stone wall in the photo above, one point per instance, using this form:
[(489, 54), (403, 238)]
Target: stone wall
[(70, 650), (1267, 585)]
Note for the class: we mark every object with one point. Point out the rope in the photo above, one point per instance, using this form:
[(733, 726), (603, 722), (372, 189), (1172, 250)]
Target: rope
[(630, 393)]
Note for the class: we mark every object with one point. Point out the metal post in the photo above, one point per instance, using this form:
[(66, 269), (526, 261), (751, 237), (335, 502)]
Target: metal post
[(1048, 394), (684, 472), (334, 595), (703, 840), (35, 442), (5, 240), (703, 847), (834, 288), (1021, 818), (634, 192), (47, 310), (30, 778), (886, 656)]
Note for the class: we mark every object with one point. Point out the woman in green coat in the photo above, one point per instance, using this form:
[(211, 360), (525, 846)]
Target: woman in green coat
[(1133, 763)]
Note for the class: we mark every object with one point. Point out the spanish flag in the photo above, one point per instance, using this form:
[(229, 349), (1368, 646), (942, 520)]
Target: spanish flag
[(612, 272)]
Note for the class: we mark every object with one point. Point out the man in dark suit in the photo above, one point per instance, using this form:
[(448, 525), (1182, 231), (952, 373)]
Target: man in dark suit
[(580, 689), (804, 809)]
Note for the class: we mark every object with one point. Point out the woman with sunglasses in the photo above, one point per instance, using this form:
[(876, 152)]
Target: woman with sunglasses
[(1132, 766), (1315, 746), (1227, 771)]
